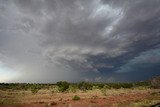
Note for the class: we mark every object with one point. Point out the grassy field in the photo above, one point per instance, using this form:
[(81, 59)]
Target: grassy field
[(84, 94)]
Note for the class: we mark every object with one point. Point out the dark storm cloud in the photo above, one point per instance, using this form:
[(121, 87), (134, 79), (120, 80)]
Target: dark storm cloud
[(146, 60), (98, 40)]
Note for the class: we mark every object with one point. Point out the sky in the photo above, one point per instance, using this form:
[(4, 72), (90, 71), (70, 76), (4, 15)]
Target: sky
[(45, 41)]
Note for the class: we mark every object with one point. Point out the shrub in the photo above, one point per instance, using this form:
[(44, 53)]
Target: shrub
[(100, 85), (126, 85), (63, 86), (155, 82), (72, 88), (55, 89), (119, 85), (114, 85), (141, 84), (85, 86), (95, 87), (103, 90), (76, 97), (35, 88)]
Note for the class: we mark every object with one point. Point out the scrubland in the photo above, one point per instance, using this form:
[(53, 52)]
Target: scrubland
[(83, 94)]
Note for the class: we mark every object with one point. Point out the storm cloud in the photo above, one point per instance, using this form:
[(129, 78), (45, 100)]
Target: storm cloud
[(75, 40)]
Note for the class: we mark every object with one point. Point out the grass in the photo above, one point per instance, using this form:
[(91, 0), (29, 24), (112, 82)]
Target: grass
[(44, 96), (7, 101), (146, 103)]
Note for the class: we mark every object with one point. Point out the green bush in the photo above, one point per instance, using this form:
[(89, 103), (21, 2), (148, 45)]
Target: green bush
[(95, 87), (103, 90), (35, 88), (100, 85), (126, 85), (76, 97), (143, 84), (119, 85), (72, 88), (55, 89), (63, 86), (85, 86)]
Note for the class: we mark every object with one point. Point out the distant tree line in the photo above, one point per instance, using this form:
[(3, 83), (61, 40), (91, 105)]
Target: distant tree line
[(64, 86)]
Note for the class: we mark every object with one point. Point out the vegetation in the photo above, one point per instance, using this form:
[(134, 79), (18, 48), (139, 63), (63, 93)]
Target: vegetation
[(35, 88), (76, 97), (72, 88), (155, 82), (103, 90), (54, 89), (22, 86), (12, 93), (85, 86), (63, 86)]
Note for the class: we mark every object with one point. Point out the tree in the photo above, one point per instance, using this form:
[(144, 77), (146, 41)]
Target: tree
[(85, 86), (63, 85)]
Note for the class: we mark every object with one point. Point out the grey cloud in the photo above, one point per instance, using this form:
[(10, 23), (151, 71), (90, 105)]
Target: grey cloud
[(65, 39)]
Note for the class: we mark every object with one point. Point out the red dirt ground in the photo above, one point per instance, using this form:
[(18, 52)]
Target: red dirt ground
[(91, 102)]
